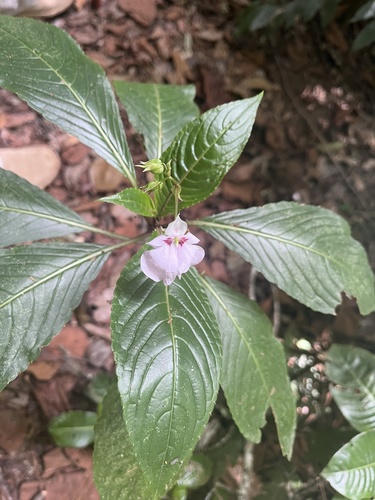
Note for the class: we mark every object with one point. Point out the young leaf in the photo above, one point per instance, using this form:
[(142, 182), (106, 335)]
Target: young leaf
[(135, 200), (117, 473), (351, 471), (73, 429), (158, 112), (27, 213), (352, 370), (307, 251), (40, 285), (168, 353), (365, 37), (205, 150), (46, 68), (254, 374)]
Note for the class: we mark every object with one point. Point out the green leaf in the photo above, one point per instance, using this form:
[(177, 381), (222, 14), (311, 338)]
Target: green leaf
[(40, 284), (307, 251), (365, 37), (168, 354), (135, 200), (98, 387), (196, 473), (254, 375), (117, 473), (351, 471), (367, 11), (46, 68), (73, 429), (156, 111), (27, 213), (205, 150), (352, 370)]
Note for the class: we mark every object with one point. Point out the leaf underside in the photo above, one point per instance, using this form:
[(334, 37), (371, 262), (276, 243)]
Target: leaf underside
[(40, 284), (307, 251), (254, 375), (352, 370), (27, 213), (157, 112), (47, 69), (167, 351)]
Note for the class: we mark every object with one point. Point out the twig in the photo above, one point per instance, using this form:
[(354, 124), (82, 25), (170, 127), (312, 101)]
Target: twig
[(245, 487)]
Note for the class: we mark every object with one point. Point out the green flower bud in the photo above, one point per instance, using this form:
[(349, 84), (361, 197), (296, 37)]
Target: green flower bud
[(155, 166)]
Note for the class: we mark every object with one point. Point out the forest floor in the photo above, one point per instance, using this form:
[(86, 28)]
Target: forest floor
[(313, 142)]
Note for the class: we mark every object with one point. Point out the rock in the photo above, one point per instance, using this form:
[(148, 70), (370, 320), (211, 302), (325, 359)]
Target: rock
[(37, 164), (34, 8), (104, 177)]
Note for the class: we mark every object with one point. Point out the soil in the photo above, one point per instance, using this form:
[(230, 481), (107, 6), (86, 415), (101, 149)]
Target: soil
[(313, 142)]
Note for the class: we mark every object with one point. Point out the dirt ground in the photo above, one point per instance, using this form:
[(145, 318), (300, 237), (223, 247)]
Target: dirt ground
[(313, 142)]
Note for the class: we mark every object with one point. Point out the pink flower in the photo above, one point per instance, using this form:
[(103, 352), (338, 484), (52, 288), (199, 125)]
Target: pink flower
[(173, 253)]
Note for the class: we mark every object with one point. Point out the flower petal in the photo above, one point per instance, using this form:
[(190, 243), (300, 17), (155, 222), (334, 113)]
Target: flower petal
[(161, 264), (176, 228), (189, 255)]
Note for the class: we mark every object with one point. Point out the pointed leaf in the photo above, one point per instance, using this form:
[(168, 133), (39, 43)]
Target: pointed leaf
[(307, 251), (254, 374), (73, 429), (135, 200), (28, 213), (40, 284), (205, 150), (46, 68), (351, 471), (167, 350), (352, 371), (117, 473), (365, 37), (367, 11), (156, 111)]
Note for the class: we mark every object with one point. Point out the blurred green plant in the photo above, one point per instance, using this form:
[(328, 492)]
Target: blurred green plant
[(275, 15)]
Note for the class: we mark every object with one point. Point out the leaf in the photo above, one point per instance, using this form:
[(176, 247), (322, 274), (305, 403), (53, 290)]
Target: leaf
[(156, 111), (254, 375), (40, 284), (168, 353), (135, 200), (307, 251), (352, 370), (365, 37), (73, 429), (28, 213), (351, 471), (205, 150), (367, 11), (46, 68), (117, 473)]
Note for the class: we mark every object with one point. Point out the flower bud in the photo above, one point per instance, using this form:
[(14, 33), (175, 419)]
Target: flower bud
[(155, 166)]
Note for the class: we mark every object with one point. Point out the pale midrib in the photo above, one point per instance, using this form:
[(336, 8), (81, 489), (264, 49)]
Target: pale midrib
[(174, 374), (160, 124), (101, 132), (239, 330), (62, 270), (189, 170), (253, 232), (61, 220)]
